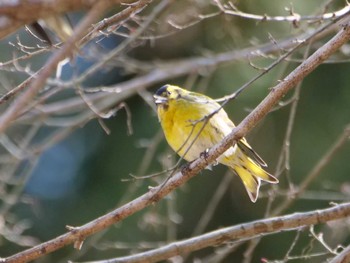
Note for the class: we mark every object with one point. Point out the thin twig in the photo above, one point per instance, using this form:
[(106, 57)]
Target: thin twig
[(284, 156), (118, 18), (212, 204), (319, 238), (343, 138), (294, 17), (250, 230), (342, 257), (162, 71), (117, 51), (157, 193), (12, 112)]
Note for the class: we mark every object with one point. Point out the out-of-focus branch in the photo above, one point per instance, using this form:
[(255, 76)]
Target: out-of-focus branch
[(239, 232), (163, 71), (230, 9), (77, 235), (343, 138), (342, 257), (11, 113), (117, 18), (108, 96), (15, 14)]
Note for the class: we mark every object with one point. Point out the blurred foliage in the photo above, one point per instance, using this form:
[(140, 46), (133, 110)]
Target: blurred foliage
[(97, 163)]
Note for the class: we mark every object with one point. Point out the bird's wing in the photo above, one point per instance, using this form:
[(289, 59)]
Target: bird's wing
[(245, 148)]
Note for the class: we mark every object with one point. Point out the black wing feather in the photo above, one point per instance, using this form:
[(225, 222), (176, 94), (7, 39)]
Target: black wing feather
[(245, 147)]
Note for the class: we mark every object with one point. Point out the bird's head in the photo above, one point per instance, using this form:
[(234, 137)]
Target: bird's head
[(167, 93)]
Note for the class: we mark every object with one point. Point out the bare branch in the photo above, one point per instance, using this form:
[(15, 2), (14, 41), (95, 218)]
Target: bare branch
[(238, 233), (342, 257), (343, 138), (109, 96), (293, 17), (11, 113), (157, 193), (130, 11), (16, 14)]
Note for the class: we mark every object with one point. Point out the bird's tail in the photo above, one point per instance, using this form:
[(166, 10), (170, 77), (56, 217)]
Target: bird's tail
[(251, 174)]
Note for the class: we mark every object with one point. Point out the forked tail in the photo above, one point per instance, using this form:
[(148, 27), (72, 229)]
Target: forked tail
[(251, 174)]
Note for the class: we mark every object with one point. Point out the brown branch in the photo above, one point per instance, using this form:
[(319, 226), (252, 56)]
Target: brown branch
[(117, 18), (157, 193), (165, 71), (239, 232), (109, 96), (342, 257), (16, 14), (121, 47), (293, 17), (12, 112), (284, 158)]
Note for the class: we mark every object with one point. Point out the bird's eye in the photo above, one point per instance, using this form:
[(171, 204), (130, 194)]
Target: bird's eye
[(168, 93)]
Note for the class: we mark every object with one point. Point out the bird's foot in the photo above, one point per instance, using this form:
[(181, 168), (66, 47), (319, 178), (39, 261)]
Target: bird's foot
[(204, 154), (186, 167)]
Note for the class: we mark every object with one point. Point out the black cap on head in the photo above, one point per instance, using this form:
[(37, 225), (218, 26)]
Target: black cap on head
[(161, 90)]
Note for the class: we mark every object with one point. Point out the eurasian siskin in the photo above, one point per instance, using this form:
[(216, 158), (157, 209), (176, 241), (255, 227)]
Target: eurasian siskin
[(184, 117)]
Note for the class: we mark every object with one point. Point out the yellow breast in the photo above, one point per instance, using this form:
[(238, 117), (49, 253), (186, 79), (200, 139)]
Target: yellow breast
[(187, 129)]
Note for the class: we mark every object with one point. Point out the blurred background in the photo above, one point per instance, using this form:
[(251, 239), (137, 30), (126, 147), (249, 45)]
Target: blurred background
[(67, 167)]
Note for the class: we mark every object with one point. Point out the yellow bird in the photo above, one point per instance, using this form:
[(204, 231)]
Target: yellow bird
[(189, 131)]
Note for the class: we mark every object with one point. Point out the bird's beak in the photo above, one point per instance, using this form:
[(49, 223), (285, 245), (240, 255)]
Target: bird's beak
[(159, 99)]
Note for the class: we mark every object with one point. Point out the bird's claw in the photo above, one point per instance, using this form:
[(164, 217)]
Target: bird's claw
[(186, 168), (204, 155)]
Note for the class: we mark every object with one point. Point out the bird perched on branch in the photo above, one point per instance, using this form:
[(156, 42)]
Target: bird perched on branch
[(193, 123)]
